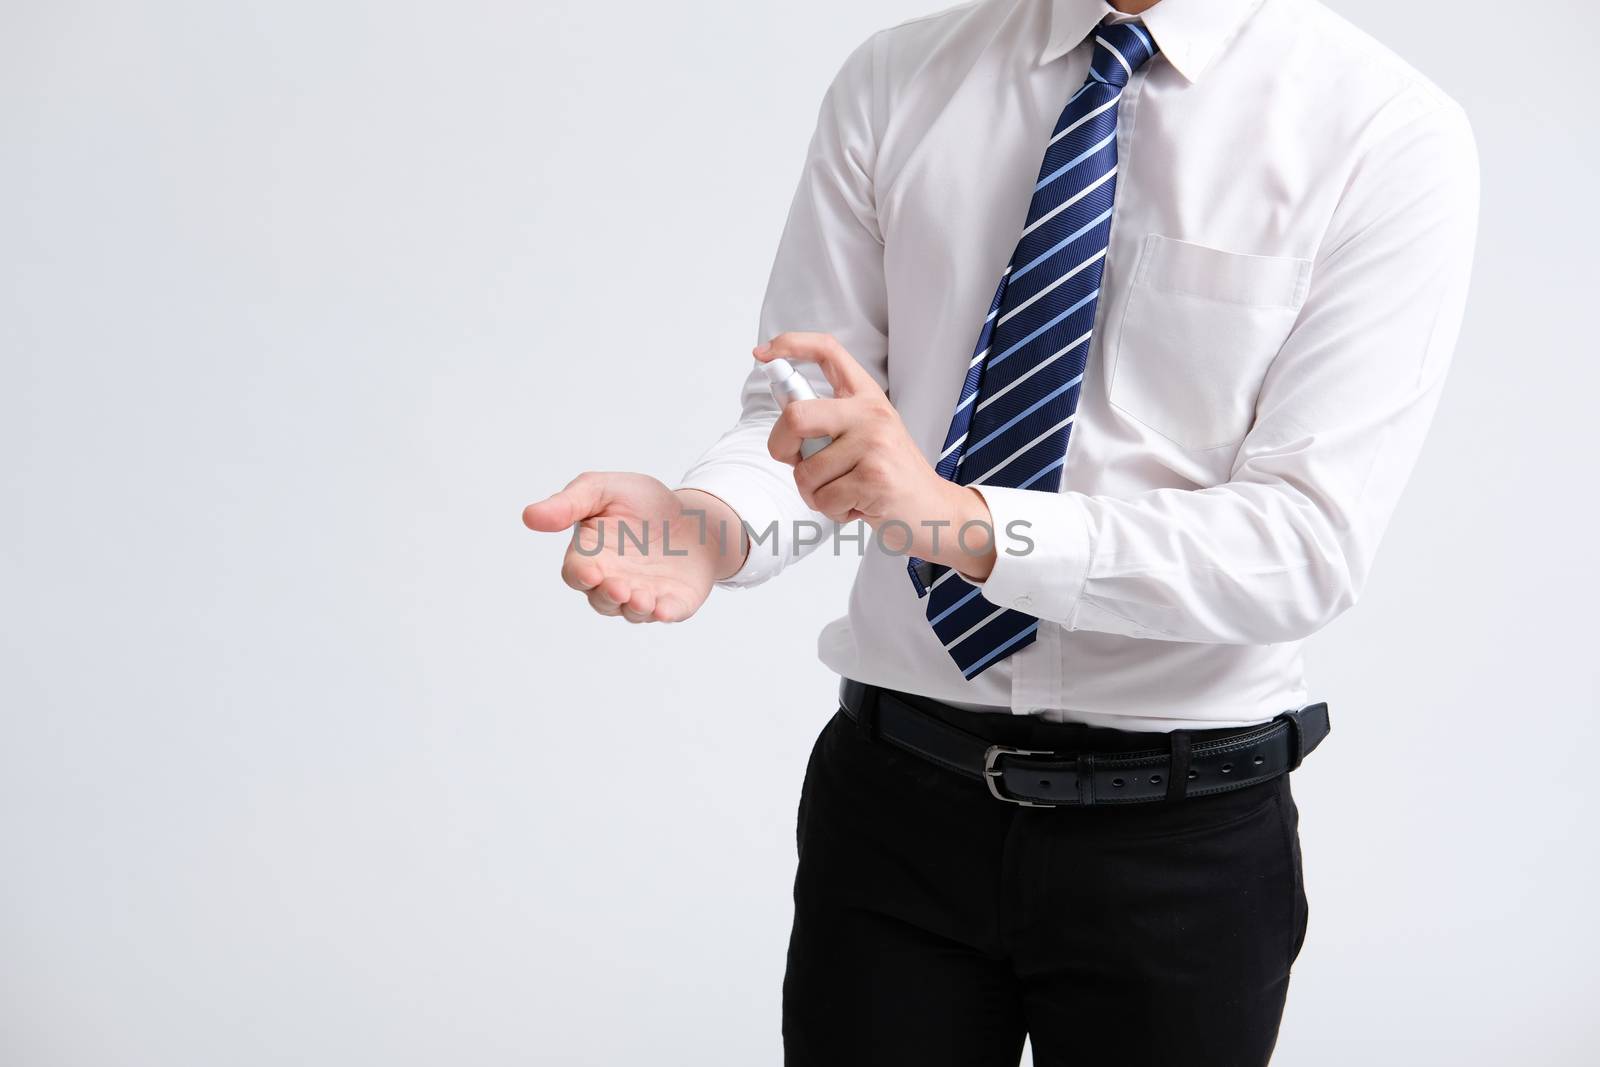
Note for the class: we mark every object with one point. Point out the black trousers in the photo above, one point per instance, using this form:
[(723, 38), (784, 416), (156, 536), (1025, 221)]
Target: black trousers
[(935, 925)]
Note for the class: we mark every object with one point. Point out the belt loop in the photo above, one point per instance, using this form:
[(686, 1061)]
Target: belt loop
[(1086, 780), (1178, 772), (1297, 742), (867, 713), (1307, 727)]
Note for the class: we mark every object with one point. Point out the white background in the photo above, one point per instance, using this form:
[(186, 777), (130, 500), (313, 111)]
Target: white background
[(306, 756)]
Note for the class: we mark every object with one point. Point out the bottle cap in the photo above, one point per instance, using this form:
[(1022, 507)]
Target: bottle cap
[(778, 370)]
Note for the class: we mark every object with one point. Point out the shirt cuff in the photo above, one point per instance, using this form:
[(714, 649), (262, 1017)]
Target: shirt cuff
[(1043, 547), (746, 492)]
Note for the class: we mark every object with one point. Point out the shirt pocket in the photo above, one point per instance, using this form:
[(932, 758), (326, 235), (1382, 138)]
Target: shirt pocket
[(1198, 332)]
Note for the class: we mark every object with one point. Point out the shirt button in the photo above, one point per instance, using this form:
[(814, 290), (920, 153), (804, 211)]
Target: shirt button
[(1024, 602)]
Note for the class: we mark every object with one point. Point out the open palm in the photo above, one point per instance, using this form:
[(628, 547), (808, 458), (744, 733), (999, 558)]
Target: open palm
[(639, 550)]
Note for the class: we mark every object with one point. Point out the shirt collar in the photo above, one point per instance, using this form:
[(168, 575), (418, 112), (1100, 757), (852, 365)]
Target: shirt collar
[(1190, 32)]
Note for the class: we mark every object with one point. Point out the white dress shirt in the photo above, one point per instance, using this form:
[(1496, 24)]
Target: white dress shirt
[(1289, 256)]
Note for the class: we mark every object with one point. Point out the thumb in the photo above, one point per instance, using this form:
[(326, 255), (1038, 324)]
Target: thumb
[(584, 496)]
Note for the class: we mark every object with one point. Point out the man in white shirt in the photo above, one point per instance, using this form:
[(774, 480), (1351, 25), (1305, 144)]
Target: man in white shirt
[(1226, 303)]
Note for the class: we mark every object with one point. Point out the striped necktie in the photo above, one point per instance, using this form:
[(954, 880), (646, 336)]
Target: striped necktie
[(1017, 404)]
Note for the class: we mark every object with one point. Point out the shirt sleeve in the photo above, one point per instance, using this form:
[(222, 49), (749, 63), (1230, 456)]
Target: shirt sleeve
[(1286, 544), (827, 277)]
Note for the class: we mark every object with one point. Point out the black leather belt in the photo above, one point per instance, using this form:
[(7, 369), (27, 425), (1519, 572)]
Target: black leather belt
[(1035, 778)]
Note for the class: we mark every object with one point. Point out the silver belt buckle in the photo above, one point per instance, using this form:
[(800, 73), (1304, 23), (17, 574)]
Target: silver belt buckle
[(992, 773)]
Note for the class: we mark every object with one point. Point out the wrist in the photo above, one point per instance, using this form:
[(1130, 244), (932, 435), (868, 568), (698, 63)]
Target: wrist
[(719, 532), (969, 546)]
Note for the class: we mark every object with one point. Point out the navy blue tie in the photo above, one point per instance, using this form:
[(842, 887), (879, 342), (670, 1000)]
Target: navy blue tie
[(1014, 418)]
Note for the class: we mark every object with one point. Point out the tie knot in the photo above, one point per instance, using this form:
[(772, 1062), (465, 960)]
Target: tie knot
[(1120, 49)]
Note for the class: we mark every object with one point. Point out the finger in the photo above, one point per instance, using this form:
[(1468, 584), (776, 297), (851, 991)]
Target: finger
[(617, 590), (835, 461), (847, 377), (838, 499), (580, 572), (583, 497), (603, 604), (640, 606), (608, 597), (808, 418), (671, 609)]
